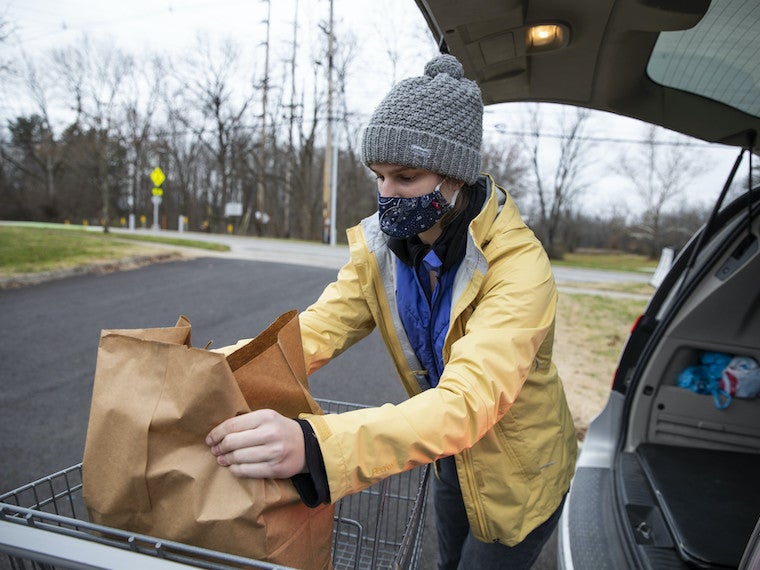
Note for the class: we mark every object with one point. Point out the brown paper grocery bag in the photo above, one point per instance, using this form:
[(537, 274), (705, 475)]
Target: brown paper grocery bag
[(277, 348), (146, 466)]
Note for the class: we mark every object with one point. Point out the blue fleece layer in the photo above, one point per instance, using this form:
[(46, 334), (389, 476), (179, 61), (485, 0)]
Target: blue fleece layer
[(425, 314)]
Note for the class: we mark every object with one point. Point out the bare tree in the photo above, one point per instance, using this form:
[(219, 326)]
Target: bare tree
[(94, 76), (309, 213), (659, 169), (23, 164), (275, 163), (183, 153), (48, 150), (557, 194), (141, 95), (507, 162), (34, 152), (356, 196), (36, 135), (208, 105), (6, 31)]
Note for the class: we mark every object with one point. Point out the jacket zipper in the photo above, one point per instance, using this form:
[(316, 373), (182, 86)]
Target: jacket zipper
[(473, 492), (433, 304)]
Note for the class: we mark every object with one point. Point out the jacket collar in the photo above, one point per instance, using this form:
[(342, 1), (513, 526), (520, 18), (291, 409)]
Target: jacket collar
[(483, 227)]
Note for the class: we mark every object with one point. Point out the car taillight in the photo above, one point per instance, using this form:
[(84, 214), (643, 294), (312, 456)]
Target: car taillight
[(640, 330)]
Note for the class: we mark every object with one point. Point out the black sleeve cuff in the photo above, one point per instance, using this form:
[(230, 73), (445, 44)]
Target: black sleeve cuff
[(312, 486)]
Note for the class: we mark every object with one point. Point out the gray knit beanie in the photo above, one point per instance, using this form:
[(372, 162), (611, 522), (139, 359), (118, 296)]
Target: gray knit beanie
[(433, 122)]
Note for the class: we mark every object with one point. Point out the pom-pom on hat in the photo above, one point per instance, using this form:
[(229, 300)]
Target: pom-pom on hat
[(433, 122)]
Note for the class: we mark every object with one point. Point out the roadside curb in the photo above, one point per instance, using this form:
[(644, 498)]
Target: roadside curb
[(134, 262)]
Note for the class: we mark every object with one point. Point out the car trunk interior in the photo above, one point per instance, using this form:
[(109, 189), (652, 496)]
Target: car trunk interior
[(688, 477)]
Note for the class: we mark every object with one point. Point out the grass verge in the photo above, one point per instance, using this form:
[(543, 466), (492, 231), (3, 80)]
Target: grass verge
[(37, 249), (181, 242)]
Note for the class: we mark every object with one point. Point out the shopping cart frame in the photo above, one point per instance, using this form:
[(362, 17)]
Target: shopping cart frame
[(44, 524)]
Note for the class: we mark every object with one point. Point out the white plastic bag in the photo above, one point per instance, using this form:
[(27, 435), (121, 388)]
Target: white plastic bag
[(741, 378)]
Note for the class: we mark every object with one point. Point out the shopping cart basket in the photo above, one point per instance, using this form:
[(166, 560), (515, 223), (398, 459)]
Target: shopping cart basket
[(44, 525)]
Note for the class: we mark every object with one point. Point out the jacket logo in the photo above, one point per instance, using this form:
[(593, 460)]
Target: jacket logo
[(382, 469)]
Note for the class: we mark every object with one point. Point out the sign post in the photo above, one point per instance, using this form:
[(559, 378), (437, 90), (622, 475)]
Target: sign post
[(158, 177)]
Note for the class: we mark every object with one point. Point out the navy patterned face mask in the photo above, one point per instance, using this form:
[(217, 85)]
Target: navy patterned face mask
[(406, 217)]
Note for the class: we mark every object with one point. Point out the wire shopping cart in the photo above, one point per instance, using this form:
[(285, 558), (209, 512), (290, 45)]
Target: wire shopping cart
[(44, 524)]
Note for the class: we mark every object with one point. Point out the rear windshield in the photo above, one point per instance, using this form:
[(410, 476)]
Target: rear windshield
[(719, 58)]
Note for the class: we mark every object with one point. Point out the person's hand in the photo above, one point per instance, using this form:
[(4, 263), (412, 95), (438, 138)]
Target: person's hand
[(260, 444)]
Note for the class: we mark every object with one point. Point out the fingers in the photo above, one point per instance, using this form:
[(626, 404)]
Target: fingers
[(260, 444), (237, 435), (259, 465), (236, 424)]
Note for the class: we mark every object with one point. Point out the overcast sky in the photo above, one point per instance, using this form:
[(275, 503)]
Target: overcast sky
[(172, 27), (161, 26)]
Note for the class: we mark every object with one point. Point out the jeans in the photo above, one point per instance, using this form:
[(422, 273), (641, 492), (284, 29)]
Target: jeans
[(458, 549)]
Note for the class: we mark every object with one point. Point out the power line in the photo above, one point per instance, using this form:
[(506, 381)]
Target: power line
[(601, 139)]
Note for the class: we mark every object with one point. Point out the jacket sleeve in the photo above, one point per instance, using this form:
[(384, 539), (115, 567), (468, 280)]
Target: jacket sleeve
[(337, 320), (495, 348)]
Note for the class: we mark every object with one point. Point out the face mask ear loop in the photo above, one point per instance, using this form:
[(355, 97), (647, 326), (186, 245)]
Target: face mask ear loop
[(453, 198)]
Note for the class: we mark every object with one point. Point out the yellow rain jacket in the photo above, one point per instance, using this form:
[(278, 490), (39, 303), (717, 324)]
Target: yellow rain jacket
[(499, 406)]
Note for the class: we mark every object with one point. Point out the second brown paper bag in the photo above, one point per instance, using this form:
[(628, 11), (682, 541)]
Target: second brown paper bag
[(147, 468)]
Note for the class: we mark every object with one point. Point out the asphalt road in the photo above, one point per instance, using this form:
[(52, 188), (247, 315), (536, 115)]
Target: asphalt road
[(49, 337), (50, 332)]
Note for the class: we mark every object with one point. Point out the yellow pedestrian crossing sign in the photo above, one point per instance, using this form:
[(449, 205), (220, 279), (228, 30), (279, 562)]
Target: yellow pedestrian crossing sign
[(157, 176)]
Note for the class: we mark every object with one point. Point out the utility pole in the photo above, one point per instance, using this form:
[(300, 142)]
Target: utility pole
[(291, 157), (261, 216), (329, 180), (257, 209)]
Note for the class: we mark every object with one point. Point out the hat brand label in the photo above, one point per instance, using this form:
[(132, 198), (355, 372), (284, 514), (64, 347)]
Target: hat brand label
[(420, 151)]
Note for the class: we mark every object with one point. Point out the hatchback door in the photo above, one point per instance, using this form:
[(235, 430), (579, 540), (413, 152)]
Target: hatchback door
[(666, 475)]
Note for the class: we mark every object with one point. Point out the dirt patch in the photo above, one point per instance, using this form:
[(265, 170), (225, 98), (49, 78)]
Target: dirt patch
[(591, 331)]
